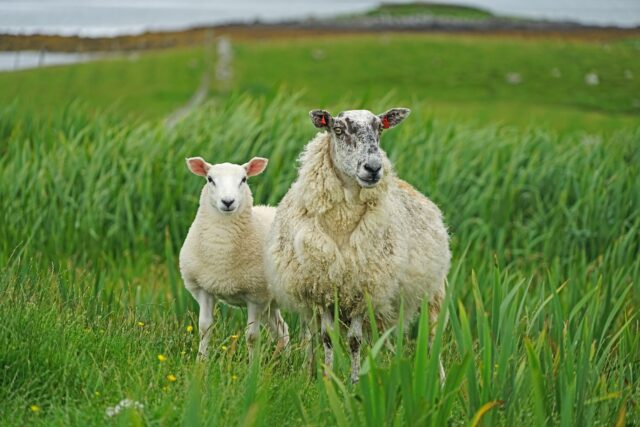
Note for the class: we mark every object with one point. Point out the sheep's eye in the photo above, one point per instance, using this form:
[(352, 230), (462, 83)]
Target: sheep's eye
[(211, 181), (244, 180), (337, 130)]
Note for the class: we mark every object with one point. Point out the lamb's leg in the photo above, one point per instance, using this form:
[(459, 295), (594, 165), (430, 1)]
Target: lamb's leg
[(205, 320), (354, 338), (326, 326), (278, 327), (434, 312), (252, 334)]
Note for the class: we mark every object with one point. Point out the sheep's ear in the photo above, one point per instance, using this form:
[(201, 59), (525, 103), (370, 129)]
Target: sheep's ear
[(393, 117), (321, 118), (256, 166), (198, 166)]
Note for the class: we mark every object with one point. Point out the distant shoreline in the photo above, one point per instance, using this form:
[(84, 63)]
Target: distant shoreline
[(202, 35)]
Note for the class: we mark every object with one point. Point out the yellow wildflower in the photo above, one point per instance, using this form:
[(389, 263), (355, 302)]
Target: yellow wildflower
[(171, 377), (234, 377), (34, 408), (140, 324), (234, 337), (224, 348), (189, 328), (162, 357)]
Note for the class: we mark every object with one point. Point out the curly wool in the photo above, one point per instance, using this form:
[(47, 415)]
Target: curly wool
[(224, 254), (388, 242)]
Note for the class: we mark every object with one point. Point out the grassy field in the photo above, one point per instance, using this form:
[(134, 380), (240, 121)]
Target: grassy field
[(148, 85), (544, 219), (489, 79)]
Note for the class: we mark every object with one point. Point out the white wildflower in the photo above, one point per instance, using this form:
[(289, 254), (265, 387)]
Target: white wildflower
[(122, 405)]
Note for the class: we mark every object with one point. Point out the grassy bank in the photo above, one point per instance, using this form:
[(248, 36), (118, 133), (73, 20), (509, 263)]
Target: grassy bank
[(543, 291), (435, 10)]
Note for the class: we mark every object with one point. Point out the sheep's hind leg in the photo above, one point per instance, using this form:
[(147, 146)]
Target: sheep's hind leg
[(278, 327), (310, 345), (354, 338), (252, 334), (205, 320), (326, 326)]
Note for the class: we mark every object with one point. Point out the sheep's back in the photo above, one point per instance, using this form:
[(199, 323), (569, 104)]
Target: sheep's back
[(427, 257)]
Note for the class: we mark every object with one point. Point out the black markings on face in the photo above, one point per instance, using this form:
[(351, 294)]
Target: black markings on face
[(353, 133), (357, 142)]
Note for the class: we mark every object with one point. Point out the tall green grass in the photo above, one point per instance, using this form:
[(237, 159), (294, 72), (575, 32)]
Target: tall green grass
[(542, 305)]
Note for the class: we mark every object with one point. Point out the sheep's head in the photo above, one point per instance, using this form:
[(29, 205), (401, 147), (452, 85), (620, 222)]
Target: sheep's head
[(227, 182), (355, 136)]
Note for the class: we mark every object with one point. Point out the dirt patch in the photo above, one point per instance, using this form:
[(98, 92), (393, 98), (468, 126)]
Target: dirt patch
[(200, 36)]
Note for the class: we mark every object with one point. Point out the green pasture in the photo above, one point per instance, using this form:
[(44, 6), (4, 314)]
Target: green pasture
[(479, 80), (543, 299), (538, 182)]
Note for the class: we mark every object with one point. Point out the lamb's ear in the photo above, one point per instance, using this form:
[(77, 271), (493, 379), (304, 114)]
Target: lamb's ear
[(198, 165), (256, 166), (393, 117), (321, 118)]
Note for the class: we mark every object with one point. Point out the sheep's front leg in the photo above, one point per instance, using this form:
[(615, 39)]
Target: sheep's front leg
[(326, 326), (354, 338), (205, 320), (278, 327), (252, 334)]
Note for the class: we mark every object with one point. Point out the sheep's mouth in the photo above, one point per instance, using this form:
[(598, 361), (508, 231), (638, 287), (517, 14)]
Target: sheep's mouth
[(368, 182), (227, 210)]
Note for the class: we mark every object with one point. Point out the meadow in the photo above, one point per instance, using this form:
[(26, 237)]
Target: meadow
[(538, 183)]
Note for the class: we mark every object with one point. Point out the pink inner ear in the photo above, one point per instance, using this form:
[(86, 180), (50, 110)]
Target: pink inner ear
[(198, 166), (256, 166)]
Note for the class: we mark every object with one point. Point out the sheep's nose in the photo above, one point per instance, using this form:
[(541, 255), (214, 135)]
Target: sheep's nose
[(373, 167), (228, 202)]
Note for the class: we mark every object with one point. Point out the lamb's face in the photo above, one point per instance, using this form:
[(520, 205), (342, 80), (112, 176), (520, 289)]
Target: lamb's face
[(355, 136), (227, 187), (227, 182)]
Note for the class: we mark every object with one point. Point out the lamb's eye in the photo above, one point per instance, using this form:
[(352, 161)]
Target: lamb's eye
[(337, 130), (243, 180), (211, 181)]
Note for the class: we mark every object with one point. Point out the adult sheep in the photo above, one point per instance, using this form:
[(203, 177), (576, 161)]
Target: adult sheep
[(348, 228)]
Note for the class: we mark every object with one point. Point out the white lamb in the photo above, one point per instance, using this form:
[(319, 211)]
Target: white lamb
[(222, 256), (348, 227)]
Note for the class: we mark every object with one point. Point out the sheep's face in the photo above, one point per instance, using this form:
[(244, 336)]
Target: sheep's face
[(227, 183), (355, 136)]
